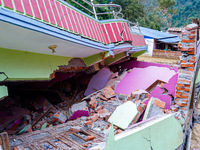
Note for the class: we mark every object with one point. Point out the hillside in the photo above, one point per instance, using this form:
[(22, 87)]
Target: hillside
[(187, 10)]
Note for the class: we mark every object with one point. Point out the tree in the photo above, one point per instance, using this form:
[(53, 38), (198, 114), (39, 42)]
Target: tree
[(167, 10)]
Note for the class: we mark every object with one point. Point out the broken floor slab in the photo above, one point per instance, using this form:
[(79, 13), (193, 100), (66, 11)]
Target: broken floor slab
[(142, 78), (124, 115), (171, 85), (155, 134)]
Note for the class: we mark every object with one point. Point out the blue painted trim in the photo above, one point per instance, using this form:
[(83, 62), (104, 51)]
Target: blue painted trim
[(28, 23), (147, 37)]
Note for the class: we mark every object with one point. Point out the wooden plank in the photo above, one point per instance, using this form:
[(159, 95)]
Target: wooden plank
[(36, 120), (4, 141)]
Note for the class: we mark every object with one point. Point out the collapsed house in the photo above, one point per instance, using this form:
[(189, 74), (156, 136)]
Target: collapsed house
[(68, 87)]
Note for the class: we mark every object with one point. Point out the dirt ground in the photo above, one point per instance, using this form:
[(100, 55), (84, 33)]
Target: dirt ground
[(158, 60), (195, 139)]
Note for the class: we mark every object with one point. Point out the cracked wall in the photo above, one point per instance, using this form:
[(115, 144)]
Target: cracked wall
[(153, 134)]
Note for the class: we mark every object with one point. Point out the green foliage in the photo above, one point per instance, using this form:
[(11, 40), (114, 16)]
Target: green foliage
[(155, 14), (187, 10)]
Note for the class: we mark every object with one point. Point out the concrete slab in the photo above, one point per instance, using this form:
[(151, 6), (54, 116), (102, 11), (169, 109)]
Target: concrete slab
[(142, 78), (124, 115), (171, 85)]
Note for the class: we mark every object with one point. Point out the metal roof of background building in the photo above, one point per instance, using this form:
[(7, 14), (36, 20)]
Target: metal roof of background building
[(175, 29), (155, 33)]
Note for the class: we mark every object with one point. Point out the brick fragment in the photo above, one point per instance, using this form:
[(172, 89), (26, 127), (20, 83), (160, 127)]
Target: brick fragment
[(183, 61), (87, 123), (90, 138), (191, 53), (136, 118), (110, 90), (139, 108), (187, 41), (105, 92), (182, 96), (191, 36), (181, 104), (191, 26), (194, 57), (187, 49), (159, 103), (184, 81), (187, 65), (181, 85), (190, 69), (187, 85), (119, 131), (94, 117), (102, 97)]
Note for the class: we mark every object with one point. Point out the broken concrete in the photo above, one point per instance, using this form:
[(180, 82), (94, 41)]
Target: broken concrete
[(123, 116), (78, 110)]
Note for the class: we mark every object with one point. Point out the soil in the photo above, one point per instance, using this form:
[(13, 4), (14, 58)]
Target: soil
[(158, 60)]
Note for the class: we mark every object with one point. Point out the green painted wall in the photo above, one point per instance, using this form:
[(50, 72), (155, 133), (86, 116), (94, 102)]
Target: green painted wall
[(138, 53), (3, 91), (95, 58), (161, 135), (197, 78), (21, 65), (110, 60)]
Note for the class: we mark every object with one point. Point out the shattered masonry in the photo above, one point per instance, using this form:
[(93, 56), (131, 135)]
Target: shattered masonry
[(89, 112)]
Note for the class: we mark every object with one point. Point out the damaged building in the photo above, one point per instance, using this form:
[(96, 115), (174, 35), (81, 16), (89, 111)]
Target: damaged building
[(70, 81)]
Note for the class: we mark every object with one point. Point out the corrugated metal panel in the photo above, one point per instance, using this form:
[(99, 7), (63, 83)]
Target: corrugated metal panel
[(155, 33), (110, 32), (117, 35), (8, 3), (137, 40), (50, 13), (170, 40), (43, 11), (27, 7), (35, 9), (18, 6)]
